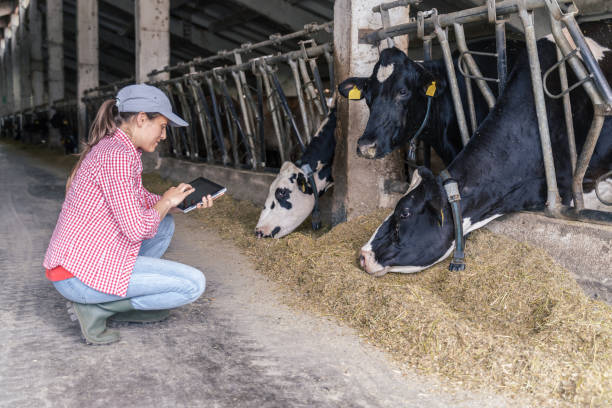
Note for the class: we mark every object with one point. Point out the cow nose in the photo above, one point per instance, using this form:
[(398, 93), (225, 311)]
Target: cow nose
[(367, 150), (258, 233), (362, 261), (365, 259)]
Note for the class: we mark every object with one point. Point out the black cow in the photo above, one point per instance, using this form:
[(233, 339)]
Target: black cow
[(395, 94), (498, 172), (290, 199)]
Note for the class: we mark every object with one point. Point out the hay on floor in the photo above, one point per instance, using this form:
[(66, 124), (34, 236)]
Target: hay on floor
[(514, 321)]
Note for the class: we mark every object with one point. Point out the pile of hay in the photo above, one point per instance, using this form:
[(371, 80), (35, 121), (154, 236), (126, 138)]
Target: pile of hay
[(514, 321)]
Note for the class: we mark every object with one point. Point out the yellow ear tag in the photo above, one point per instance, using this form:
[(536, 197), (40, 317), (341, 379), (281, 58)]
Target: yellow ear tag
[(354, 93), (442, 214), (431, 89)]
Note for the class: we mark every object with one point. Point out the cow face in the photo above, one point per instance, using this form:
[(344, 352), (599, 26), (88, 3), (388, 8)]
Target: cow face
[(290, 201), (396, 96), (416, 235)]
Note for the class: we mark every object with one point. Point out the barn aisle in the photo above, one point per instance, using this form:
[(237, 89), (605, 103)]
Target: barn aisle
[(237, 346)]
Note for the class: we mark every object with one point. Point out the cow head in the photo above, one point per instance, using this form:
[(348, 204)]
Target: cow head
[(416, 235), (396, 96), (290, 201)]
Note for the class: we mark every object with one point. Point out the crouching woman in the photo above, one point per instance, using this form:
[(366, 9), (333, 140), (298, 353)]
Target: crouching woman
[(104, 255)]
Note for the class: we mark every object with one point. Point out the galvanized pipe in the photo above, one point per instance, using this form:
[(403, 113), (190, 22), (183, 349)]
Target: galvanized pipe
[(553, 200), (318, 83), (312, 93), (450, 70), (470, 99), (300, 96), (585, 156), (213, 98), (471, 15), (202, 119), (394, 4), (273, 112), (502, 57), (567, 110), (473, 67), (193, 143)]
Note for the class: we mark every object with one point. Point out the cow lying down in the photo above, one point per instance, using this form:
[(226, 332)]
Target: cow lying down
[(498, 172), (291, 197)]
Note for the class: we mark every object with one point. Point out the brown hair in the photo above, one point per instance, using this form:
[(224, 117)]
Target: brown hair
[(106, 121)]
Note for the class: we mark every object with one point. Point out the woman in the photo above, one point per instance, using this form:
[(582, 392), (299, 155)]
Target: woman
[(104, 255)]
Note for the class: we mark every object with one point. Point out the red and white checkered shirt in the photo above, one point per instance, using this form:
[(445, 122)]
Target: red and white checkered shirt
[(105, 217)]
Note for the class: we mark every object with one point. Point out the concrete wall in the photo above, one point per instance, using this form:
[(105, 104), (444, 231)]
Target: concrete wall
[(87, 55), (359, 183), (152, 21)]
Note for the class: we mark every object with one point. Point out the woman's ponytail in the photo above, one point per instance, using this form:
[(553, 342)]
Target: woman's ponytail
[(104, 124)]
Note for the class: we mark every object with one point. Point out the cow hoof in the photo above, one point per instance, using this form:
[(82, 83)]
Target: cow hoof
[(459, 266)]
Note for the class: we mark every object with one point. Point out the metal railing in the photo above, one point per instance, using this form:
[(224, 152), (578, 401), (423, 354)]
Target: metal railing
[(590, 77)]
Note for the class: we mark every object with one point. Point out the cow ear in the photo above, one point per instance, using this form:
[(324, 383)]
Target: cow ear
[(303, 184), (436, 199), (352, 88)]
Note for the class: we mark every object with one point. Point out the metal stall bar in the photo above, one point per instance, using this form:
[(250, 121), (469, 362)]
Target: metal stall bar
[(236, 123), (450, 68), (587, 56), (500, 45), (553, 200), (285, 106), (427, 56), (218, 125), (210, 122), (274, 39), (272, 108), (180, 131), (599, 110), (473, 67), (204, 118), (259, 115), (471, 15), (300, 96), (191, 133), (239, 80)]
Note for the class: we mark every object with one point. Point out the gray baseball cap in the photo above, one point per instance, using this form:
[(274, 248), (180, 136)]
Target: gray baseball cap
[(147, 98)]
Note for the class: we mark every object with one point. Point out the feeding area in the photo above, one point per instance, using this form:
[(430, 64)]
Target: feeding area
[(515, 321)]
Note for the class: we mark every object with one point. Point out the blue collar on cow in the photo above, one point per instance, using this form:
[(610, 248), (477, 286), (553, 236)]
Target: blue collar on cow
[(315, 217), (454, 198), (430, 93)]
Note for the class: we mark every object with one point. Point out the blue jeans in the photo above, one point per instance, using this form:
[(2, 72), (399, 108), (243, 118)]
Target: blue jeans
[(155, 283)]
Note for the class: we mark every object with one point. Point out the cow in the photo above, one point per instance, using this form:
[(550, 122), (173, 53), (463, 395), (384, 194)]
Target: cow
[(498, 172), (395, 93), (291, 197)]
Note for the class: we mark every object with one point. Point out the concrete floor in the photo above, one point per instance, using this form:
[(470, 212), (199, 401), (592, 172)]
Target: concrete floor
[(237, 346)]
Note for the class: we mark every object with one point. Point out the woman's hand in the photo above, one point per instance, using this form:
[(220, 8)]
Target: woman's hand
[(175, 195), (206, 202)]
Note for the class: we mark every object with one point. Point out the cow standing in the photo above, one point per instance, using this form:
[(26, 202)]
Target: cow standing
[(498, 172)]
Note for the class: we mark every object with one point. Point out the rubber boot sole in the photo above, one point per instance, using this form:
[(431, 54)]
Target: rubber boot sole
[(113, 335)]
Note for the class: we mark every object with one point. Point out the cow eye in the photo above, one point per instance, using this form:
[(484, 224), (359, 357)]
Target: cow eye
[(403, 92), (405, 214), (282, 194)]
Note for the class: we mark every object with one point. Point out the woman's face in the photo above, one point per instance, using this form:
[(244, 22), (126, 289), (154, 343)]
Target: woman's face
[(147, 133)]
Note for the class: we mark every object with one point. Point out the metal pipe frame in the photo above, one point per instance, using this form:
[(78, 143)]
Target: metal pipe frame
[(274, 39), (202, 116), (215, 106), (394, 4), (567, 110), (470, 15), (473, 67), (450, 70), (553, 200), (300, 96)]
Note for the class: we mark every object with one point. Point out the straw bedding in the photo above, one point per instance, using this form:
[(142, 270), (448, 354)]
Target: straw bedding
[(514, 321)]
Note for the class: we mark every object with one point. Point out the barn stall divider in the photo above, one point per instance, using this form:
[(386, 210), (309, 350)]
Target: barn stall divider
[(246, 113), (429, 25)]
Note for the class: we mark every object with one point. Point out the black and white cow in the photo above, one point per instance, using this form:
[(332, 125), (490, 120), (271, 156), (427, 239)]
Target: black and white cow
[(291, 198), (395, 94), (498, 172)]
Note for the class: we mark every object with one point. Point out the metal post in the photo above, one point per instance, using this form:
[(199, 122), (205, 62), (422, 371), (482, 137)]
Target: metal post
[(300, 96), (502, 58), (450, 69), (553, 200), (473, 67), (213, 98), (567, 110), (201, 119), (272, 108)]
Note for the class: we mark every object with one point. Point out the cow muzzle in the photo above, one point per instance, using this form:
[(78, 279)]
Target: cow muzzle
[(367, 150), (369, 264)]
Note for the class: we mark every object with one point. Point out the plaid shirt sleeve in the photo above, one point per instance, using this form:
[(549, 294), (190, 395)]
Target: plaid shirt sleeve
[(119, 183), (149, 198)]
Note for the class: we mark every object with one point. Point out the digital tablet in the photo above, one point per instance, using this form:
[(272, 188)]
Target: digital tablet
[(203, 187)]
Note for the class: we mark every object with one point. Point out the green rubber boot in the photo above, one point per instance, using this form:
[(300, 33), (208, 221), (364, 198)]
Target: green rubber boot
[(92, 319), (141, 316)]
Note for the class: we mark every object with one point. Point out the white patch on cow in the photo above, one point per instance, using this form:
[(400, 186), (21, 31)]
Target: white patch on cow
[(605, 190), (468, 227), (413, 269), (414, 182), (301, 204), (384, 72), (597, 49)]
